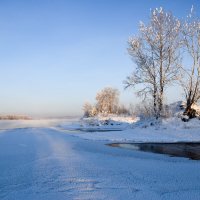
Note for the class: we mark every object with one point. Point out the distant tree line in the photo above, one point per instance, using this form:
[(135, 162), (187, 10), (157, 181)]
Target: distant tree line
[(15, 117)]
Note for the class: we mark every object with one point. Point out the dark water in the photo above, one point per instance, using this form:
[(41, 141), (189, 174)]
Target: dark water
[(182, 149), (96, 130)]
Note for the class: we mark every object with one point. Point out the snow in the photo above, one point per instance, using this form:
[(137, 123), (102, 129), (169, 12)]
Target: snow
[(101, 122), (148, 134), (62, 159), (43, 163), (132, 129)]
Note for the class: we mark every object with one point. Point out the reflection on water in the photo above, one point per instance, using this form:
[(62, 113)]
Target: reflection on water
[(181, 149)]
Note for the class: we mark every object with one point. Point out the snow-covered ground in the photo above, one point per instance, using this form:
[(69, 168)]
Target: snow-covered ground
[(169, 130), (59, 159), (100, 123), (43, 163)]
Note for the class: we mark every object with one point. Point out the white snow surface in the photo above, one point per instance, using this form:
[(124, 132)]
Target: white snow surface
[(172, 129), (55, 161), (101, 122), (44, 163)]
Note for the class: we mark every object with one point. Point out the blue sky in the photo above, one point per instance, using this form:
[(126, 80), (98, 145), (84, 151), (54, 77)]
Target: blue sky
[(57, 54)]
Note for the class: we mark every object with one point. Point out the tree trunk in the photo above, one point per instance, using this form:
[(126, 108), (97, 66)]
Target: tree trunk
[(161, 101), (190, 112), (161, 78), (155, 100)]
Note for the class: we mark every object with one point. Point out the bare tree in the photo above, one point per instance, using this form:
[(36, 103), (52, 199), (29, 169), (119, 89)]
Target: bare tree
[(191, 82), (122, 110), (145, 73), (87, 107), (156, 54), (89, 110), (107, 100), (144, 110)]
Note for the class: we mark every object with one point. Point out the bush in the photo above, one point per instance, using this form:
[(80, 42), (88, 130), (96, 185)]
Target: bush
[(89, 110)]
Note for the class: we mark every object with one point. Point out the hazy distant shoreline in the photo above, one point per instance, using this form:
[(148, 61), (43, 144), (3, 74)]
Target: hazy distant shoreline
[(15, 117), (24, 117)]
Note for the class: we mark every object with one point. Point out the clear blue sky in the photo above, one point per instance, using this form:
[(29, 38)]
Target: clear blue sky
[(56, 54)]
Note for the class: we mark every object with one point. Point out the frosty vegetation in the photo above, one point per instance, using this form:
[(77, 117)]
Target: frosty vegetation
[(157, 52), (191, 42), (107, 102)]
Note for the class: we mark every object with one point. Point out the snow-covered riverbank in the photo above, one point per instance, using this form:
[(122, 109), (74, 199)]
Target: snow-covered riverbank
[(168, 130), (124, 129)]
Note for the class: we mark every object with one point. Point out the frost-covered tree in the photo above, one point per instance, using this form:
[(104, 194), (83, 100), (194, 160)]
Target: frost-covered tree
[(145, 73), (87, 107), (122, 110), (107, 100), (89, 110), (191, 82), (156, 55)]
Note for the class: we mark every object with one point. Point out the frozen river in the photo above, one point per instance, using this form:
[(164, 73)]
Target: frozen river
[(43, 163)]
